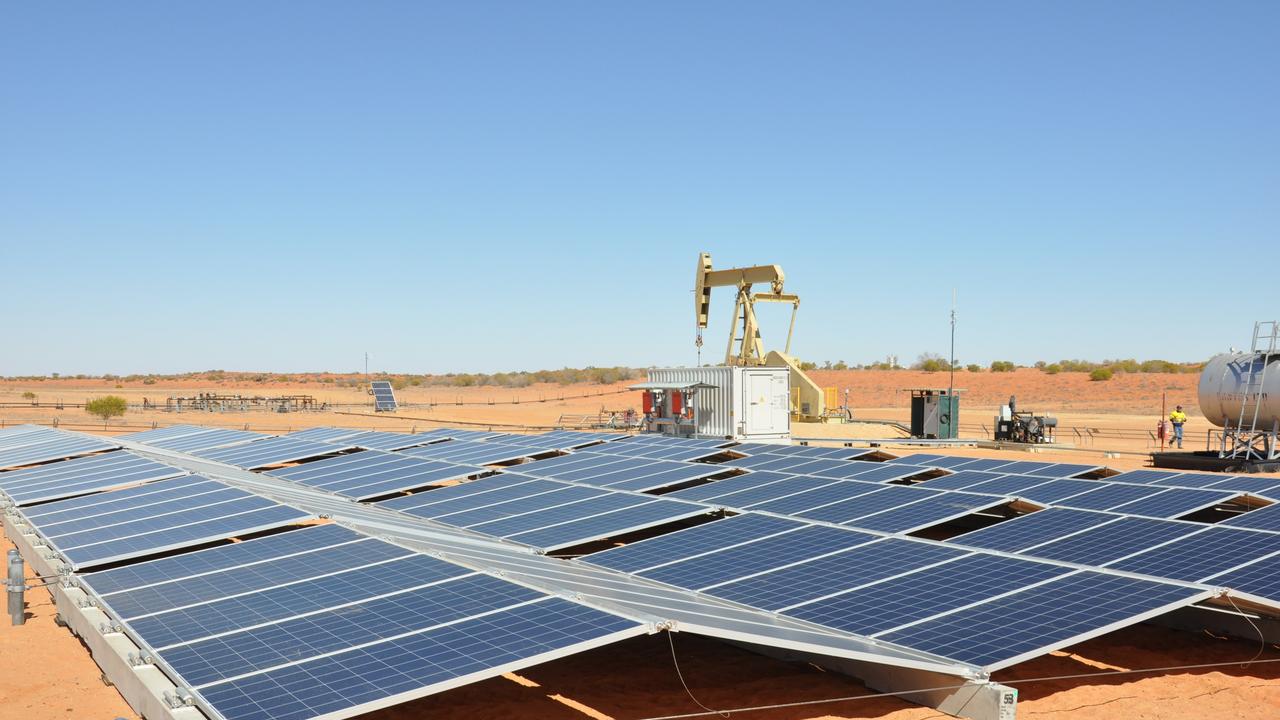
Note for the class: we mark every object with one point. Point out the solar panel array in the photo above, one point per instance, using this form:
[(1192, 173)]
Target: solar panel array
[(105, 527), (271, 451), (372, 473), (384, 398), (326, 620), (29, 445), (545, 514), (81, 476), (322, 619)]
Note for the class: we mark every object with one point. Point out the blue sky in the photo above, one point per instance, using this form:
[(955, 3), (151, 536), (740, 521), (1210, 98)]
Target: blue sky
[(490, 186)]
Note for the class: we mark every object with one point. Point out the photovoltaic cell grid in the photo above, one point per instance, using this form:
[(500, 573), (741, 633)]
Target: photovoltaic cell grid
[(758, 556), (81, 476), (167, 514), (705, 538), (207, 440), (272, 451), (1111, 541), (1202, 555), (1045, 617), (376, 440), (924, 593), (46, 447), (729, 485), (372, 473), (543, 513), (284, 630), (810, 579), (1032, 529), (172, 431), (478, 452), (384, 398)]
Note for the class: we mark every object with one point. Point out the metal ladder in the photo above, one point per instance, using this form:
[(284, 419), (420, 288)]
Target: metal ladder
[(1266, 337)]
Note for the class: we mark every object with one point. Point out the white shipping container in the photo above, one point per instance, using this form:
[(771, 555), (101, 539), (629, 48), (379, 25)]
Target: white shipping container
[(747, 403)]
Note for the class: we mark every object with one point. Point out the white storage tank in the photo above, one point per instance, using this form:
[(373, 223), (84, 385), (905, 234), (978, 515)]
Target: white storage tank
[(1224, 386), (739, 403)]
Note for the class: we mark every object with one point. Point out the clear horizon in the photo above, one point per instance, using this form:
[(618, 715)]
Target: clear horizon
[(491, 186)]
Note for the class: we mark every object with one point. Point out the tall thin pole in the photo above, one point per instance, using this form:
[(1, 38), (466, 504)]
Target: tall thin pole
[(366, 367), (951, 388)]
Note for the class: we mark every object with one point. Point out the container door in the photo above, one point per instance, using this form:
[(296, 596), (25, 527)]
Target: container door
[(767, 403)]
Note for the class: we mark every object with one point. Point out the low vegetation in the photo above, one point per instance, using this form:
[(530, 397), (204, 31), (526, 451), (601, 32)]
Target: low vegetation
[(107, 407)]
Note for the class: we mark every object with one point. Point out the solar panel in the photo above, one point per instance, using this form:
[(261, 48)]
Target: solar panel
[(1054, 491), (1202, 555), (63, 445), (822, 576), (551, 467), (467, 495), (90, 505), (575, 531), (1269, 487), (172, 431), (372, 473), (763, 493), (87, 536), (377, 440), (384, 398), (871, 503), (964, 479), (1267, 518), (526, 498), (758, 556), (271, 451), (1261, 578), (1114, 540), (323, 434), (709, 537), (1033, 529), (1060, 470), (729, 485), (1109, 495), (152, 573), (1174, 502), (668, 477), (1191, 480), (412, 664), (1025, 467), (926, 513), (541, 517), (1055, 614), (885, 472), (836, 491), (924, 593), (985, 464), (477, 452), (82, 475), (211, 438), (1000, 485), (1143, 476)]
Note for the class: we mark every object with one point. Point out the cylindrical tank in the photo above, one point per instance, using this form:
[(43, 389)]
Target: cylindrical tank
[(1223, 383)]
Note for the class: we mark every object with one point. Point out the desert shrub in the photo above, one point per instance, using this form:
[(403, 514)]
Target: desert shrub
[(840, 365), (1002, 366), (807, 366), (931, 362), (1052, 368), (149, 381), (974, 367), (28, 395), (1101, 374), (399, 383), (107, 407)]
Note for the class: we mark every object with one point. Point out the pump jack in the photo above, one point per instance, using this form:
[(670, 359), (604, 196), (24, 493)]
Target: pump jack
[(746, 348)]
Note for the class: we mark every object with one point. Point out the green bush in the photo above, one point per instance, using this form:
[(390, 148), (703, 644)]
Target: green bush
[(974, 367), (28, 395), (1003, 366), (931, 362), (1052, 368), (107, 407), (1101, 374)]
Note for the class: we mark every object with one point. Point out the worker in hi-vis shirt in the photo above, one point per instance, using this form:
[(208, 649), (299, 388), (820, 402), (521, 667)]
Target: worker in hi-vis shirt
[(1177, 419)]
